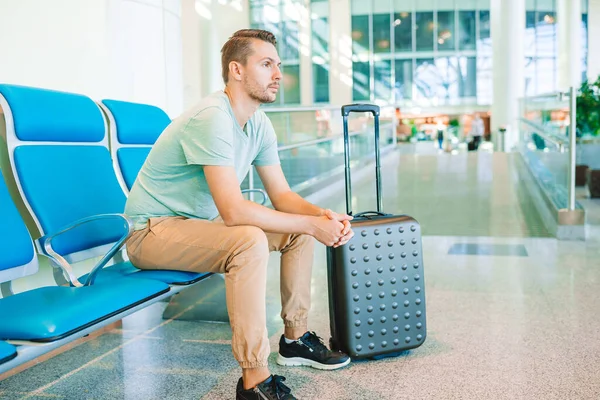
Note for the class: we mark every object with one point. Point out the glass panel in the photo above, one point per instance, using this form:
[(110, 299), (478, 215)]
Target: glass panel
[(484, 80), (545, 75), (270, 18), (424, 31), (529, 35), (289, 46), (530, 19), (361, 78), (291, 84), (467, 71), (320, 58), (404, 80), (584, 46), (484, 25), (383, 80), (540, 145), (382, 33), (427, 80), (360, 34), (306, 164), (466, 24), (545, 34), (530, 88), (403, 31), (320, 37), (321, 82), (484, 45), (447, 70), (445, 33)]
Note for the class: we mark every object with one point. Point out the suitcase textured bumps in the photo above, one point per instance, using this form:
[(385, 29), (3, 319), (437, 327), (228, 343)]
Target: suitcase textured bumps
[(376, 280)]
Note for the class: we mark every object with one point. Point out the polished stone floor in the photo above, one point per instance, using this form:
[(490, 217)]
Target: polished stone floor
[(511, 312)]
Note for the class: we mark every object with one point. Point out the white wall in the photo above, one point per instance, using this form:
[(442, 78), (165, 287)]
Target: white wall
[(122, 49), (206, 26)]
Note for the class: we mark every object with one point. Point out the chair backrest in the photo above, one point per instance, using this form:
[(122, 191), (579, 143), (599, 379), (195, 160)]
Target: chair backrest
[(58, 149), (133, 129), (17, 254)]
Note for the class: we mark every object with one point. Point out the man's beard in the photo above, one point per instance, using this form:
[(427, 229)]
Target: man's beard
[(258, 94)]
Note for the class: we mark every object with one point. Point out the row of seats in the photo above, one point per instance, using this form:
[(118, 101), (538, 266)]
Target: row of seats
[(70, 164)]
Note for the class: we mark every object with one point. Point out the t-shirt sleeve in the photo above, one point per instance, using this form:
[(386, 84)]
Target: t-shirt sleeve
[(268, 154), (208, 138)]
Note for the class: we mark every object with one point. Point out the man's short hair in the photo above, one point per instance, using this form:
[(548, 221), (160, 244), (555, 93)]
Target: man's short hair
[(239, 47)]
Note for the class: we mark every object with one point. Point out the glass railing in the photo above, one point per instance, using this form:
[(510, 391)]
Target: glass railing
[(295, 125), (309, 158), (545, 146)]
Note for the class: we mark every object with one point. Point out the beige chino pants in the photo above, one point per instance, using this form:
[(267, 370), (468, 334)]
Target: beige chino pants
[(241, 253)]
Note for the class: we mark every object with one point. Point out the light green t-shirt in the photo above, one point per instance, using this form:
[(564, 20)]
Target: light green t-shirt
[(172, 183)]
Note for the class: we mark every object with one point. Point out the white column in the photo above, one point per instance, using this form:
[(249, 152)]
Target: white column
[(340, 45), (593, 61), (508, 25), (569, 44), (216, 23), (306, 70)]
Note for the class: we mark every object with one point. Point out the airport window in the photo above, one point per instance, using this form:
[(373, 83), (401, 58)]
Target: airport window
[(291, 84), (281, 17), (404, 80), (403, 31), (361, 35), (320, 49), (383, 80), (321, 81), (411, 51), (382, 38), (424, 27), (361, 76), (445, 30), (466, 30)]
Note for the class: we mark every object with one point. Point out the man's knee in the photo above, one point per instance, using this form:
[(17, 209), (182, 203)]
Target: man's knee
[(252, 241), (304, 241)]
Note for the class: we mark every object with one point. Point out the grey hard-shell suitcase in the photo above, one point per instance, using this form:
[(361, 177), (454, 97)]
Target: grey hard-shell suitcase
[(376, 282)]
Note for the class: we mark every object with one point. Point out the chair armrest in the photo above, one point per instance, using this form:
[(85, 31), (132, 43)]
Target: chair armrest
[(46, 245), (264, 200)]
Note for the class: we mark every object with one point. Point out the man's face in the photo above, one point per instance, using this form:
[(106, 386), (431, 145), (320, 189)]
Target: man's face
[(262, 75)]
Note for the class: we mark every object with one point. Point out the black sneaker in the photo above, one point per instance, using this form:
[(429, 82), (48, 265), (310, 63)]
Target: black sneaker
[(270, 389), (309, 350)]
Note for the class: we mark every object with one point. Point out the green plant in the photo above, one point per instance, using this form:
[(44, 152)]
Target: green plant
[(588, 108), (454, 122)]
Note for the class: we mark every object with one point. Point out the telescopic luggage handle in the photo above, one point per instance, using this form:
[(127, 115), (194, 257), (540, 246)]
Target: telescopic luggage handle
[(346, 110)]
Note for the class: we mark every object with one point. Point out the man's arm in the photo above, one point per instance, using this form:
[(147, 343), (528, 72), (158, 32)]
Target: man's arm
[(287, 201), (235, 210)]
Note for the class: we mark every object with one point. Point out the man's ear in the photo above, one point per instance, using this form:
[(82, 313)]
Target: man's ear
[(235, 70)]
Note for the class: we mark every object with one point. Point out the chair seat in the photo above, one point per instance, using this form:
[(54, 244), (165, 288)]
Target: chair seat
[(52, 313), (7, 352), (170, 277)]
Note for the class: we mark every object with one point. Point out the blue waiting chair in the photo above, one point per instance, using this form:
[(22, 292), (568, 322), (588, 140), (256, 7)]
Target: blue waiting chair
[(45, 318), (133, 129), (7, 352), (58, 148)]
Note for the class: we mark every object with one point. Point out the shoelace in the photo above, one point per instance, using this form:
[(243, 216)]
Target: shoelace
[(316, 342), (277, 388)]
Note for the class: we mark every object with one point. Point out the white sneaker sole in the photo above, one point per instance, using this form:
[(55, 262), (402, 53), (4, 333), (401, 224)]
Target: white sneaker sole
[(299, 362)]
